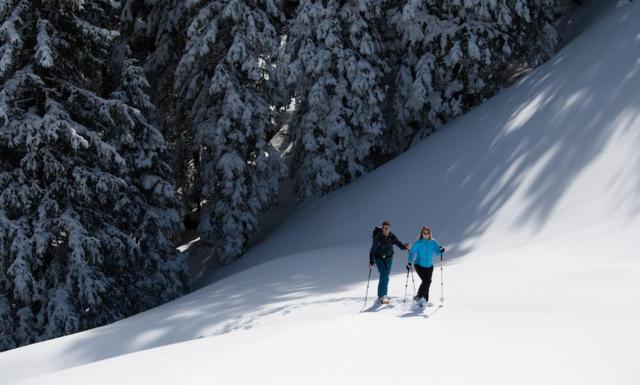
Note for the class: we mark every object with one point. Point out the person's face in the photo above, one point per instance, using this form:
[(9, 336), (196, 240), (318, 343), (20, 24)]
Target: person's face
[(386, 229), (426, 233)]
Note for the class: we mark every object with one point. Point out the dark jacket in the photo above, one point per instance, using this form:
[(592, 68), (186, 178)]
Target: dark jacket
[(382, 246)]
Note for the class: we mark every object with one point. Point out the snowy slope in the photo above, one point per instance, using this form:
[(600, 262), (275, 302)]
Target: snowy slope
[(536, 194), (587, 15)]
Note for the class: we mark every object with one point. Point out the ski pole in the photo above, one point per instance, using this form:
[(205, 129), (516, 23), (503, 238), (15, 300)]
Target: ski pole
[(367, 293), (406, 286), (441, 282), (414, 283)]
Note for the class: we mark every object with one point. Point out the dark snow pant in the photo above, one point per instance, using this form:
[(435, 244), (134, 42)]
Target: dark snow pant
[(425, 274), (384, 267)]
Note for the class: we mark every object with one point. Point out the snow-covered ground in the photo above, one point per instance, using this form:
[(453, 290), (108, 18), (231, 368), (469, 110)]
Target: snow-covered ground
[(536, 195), (586, 15)]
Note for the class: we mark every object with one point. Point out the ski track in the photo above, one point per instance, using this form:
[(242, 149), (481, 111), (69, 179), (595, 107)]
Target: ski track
[(398, 306)]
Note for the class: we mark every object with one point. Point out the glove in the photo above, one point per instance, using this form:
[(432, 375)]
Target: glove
[(409, 267), (407, 246), (370, 265), (442, 249)]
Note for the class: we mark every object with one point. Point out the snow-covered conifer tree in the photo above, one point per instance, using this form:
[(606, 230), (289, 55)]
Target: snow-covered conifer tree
[(86, 213), (336, 69), (156, 32), (453, 54), (229, 87)]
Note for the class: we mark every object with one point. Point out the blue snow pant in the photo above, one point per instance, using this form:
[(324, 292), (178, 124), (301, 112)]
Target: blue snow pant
[(384, 267)]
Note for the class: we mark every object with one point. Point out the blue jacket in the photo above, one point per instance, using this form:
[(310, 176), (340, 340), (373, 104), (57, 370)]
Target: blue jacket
[(423, 250)]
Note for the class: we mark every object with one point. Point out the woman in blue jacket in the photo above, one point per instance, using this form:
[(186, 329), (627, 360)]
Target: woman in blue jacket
[(422, 252)]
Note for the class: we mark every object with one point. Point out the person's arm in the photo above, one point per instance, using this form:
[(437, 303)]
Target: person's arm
[(412, 254), (396, 241), (437, 247), (372, 252)]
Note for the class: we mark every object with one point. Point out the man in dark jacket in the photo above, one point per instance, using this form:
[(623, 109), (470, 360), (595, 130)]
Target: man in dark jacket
[(382, 255)]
